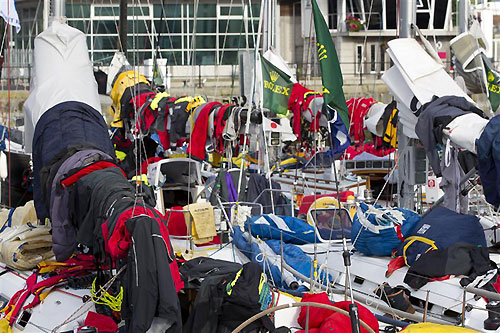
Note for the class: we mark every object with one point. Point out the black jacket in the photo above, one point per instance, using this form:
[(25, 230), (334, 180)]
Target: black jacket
[(93, 197), (243, 302), (198, 269), (149, 286), (458, 259), (256, 185), (178, 121), (216, 310)]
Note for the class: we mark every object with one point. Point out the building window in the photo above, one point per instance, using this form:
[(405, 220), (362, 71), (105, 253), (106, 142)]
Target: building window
[(359, 58), (373, 58), (221, 31), (382, 59)]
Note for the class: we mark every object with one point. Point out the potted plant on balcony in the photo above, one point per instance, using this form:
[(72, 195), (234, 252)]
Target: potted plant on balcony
[(353, 23)]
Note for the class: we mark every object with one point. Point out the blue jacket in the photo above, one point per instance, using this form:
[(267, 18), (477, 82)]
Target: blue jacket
[(488, 158), (64, 125)]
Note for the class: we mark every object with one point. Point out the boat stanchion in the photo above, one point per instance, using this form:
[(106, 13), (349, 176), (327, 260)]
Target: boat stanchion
[(463, 307), (353, 308), (426, 307)]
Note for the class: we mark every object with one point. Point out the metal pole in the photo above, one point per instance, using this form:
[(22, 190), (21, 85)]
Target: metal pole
[(123, 27), (406, 197), (462, 16), (265, 33), (58, 8), (407, 18), (463, 307), (46, 13)]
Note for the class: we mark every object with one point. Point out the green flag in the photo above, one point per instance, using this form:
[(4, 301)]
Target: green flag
[(493, 81), (331, 74), (277, 87)]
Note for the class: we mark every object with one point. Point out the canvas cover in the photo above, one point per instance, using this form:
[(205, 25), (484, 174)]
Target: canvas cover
[(378, 231), (256, 251), (463, 131), (61, 72), (18, 216), (23, 247), (414, 79), (270, 226), (373, 119)]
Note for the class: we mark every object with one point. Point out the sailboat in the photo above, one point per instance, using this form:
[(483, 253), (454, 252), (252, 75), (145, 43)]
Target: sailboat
[(243, 228)]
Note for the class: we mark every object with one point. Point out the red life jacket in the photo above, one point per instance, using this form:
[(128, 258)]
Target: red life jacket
[(296, 105), (220, 122), (146, 116), (75, 266), (198, 139), (358, 108)]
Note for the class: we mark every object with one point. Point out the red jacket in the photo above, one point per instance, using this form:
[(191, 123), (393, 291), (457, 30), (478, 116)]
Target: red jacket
[(198, 140)]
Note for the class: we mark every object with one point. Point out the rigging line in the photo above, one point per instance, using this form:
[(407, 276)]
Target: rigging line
[(377, 63), (362, 259), (219, 63), (192, 59), (137, 135), (120, 45), (94, 37), (30, 32), (362, 55), (256, 54), (150, 35), (244, 23), (252, 25), (3, 38), (106, 286), (238, 51), (251, 104), (309, 49), (168, 30), (86, 27), (8, 97)]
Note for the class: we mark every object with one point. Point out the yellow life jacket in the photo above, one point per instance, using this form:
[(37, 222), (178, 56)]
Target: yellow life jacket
[(390, 133), (125, 80), (141, 178), (158, 97)]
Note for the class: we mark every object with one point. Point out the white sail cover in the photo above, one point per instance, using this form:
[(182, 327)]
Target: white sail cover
[(118, 62), (373, 119), (414, 79), (62, 72)]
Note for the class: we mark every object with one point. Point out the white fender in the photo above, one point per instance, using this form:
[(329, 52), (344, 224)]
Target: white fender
[(4, 169)]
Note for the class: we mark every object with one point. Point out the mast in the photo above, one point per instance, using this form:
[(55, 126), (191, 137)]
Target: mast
[(46, 13), (53, 10), (122, 37), (58, 8), (407, 18), (269, 34), (462, 16), (405, 190)]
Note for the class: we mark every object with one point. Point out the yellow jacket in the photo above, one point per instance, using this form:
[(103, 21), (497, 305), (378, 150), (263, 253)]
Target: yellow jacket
[(124, 81)]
